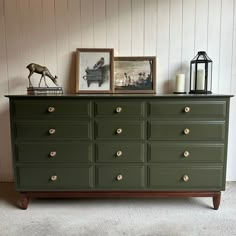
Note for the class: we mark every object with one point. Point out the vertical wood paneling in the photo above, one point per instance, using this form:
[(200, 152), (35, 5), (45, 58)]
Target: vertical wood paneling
[(234, 43), (150, 28), (12, 46), (188, 38), (36, 35), (74, 19), (24, 40), (125, 28), (63, 54), (201, 25), (48, 32), (176, 29), (74, 37), (163, 45), (137, 28), (87, 27), (112, 20), (99, 22), (3, 53), (5, 153), (214, 40), (231, 176), (226, 46)]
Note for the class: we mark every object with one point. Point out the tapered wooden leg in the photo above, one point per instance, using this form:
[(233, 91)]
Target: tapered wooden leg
[(216, 200), (24, 202)]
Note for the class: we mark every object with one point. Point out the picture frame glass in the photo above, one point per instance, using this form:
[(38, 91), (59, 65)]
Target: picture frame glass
[(134, 75), (94, 72)]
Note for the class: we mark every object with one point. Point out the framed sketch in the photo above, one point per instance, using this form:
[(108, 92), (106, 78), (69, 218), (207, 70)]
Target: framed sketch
[(134, 75), (94, 70)]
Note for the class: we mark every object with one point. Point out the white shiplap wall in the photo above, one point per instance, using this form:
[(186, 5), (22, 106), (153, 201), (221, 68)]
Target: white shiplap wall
[(48, 31)]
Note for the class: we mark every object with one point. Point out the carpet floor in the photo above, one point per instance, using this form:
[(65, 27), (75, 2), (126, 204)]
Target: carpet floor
[(126, 217)]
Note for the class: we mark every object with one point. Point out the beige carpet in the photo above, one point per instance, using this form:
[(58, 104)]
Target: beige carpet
[(102, 217)]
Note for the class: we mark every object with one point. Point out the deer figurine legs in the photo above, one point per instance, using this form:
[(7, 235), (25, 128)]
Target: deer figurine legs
[(43, 76), (30, 84)]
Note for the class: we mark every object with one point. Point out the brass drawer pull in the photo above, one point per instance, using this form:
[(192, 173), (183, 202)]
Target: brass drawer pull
[(185, 178), (118, 109), (187, 109), (51, 109), (119, 153), (119, 177), (119, 131), (186, 153), (53, 154), (186, 131), (53, 177), (52, 131)]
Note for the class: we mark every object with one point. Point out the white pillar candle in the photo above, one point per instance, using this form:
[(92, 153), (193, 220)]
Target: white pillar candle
[(200, 79), (180, 83)]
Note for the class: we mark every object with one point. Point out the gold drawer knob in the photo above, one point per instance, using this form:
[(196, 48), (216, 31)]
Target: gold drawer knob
[(119, 177), (185, 178), (119, 131), (187, 109), (53, 177), (186, 153), (52, 131), (186, 131), (118, 109), (53, 154), (51, 109), (119, 153)]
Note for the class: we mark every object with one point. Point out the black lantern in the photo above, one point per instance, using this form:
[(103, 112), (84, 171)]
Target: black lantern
[(201, 74)]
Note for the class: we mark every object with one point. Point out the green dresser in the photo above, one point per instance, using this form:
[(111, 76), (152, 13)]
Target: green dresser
[(119, 145)]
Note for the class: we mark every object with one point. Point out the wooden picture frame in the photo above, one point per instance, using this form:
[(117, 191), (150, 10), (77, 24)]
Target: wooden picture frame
[(94, 70), (134, 75)]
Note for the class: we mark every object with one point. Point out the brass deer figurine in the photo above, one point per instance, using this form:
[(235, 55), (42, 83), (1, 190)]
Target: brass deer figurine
[(43, 70)]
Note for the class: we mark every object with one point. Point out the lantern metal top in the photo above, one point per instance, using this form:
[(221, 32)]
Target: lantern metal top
[(201, 57)]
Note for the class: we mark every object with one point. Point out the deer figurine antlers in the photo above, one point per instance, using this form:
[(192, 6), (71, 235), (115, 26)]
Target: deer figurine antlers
[(43, 70)]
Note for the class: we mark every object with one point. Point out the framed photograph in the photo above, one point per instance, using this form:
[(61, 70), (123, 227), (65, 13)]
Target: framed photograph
[(134, 75), (94, 70)]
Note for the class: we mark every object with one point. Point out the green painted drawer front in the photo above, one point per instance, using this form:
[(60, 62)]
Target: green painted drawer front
[(108, 177), (171, 178), (53, 152), (120, 152), (131, 130), (185, 152), (63, 130), (41, 108), (119, 108), (187, 109), (36, 177), (197, 130)]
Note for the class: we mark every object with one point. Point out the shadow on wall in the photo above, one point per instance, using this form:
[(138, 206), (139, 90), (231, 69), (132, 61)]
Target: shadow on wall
[(72, 73)]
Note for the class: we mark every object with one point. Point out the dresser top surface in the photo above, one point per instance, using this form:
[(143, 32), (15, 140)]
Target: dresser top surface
[(121, 96)]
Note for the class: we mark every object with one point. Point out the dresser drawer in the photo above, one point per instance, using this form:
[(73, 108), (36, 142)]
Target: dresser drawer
[(187, 109), (52, 130), (119, 152), (186, 130), (119, 130), (120, 177), (53, 152), (185, 178), (36, 177), (119, 108), (185, 152), (51, 108)]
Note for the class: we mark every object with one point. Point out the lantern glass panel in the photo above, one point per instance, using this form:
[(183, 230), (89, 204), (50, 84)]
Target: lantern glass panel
[(201, 74)]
